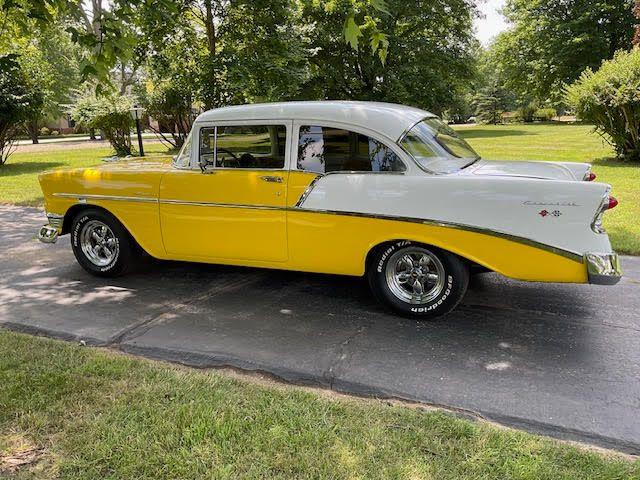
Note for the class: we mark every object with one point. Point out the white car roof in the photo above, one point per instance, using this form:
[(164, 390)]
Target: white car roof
[(387, 119)]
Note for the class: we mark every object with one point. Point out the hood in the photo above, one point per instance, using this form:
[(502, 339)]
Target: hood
[(567, 171)]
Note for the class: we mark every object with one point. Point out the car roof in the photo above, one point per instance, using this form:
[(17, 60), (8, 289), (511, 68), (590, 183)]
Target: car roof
[(388, 119)]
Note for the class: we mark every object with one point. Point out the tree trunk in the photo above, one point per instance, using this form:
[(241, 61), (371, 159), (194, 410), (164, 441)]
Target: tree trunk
[(33, 130), (210, 28)]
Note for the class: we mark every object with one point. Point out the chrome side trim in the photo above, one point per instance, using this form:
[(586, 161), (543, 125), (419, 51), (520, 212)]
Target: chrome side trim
[(224, 205), (578, 257), (308, 190), (81, 196), (603, 268)]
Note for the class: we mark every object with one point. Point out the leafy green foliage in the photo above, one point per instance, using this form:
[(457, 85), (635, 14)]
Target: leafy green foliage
[(263, 54), (170, 103), (430, 49), (111, 115), (19, 98), (609, 98), (553, 41)]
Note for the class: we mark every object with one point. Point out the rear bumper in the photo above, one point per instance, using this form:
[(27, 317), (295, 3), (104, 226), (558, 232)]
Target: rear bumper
[(603, 268)]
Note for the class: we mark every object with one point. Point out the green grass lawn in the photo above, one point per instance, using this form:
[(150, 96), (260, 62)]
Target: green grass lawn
[(86, 413), (19, 184), (19, 176), (570, 143)]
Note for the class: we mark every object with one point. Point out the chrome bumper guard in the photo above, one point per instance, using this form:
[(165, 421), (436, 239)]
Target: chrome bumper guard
[(49, 233), (603, 268)]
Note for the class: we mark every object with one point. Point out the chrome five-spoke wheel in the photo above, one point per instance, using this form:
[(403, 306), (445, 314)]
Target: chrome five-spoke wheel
[(99, 243), (415, 275), (416, 280)]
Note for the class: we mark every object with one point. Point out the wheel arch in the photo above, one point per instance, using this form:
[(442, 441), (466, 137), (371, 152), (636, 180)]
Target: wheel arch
[(78, 208), (370, 255)]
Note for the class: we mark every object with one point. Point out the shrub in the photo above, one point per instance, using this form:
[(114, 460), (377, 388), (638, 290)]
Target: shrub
[(526, 113), (44, 131), (111, 115), (609, 98), (545, 114), (55, 132)]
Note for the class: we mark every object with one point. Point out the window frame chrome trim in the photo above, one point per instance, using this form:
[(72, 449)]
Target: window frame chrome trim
[(286, 123)]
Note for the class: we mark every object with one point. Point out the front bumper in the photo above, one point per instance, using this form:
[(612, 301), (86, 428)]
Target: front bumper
[(49, 233), (603, 268)]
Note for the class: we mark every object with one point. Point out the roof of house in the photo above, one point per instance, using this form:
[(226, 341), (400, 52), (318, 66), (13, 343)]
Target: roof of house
[(388, 119)]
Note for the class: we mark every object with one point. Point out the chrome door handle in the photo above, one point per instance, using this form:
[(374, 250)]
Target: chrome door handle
[(272, 179)]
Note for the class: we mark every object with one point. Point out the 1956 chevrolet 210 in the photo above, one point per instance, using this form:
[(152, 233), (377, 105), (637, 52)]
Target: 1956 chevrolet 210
[(352, 188)]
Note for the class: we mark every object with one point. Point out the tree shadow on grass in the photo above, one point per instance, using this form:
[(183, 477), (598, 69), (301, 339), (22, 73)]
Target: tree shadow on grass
[(491, 132), (10, 169)]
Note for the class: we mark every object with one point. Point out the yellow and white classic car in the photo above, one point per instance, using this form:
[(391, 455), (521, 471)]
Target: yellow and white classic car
[(350, 188)]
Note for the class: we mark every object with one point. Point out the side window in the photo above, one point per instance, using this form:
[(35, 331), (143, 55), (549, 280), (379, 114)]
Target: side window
[(247, 146), (328, 149)]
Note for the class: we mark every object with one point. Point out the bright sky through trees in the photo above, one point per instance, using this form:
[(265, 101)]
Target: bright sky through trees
[(492, 23)]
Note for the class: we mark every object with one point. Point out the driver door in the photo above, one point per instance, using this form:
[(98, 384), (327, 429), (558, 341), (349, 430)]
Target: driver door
[(233, 209)]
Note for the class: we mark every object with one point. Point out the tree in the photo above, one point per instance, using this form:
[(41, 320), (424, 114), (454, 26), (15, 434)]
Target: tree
[(18, 98), (552, 41), (609, 98), (490, 104), (170, 103), (51, 61), (263, 53), (429, 59)]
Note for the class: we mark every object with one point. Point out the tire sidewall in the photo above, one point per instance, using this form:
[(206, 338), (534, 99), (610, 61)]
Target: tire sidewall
[(456, 282), (116, 266)]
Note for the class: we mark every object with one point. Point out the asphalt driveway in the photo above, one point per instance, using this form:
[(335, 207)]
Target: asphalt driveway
[(563, 360)]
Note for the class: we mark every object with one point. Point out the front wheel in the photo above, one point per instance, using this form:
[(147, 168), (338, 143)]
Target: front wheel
[(101, 245), (417, 281)]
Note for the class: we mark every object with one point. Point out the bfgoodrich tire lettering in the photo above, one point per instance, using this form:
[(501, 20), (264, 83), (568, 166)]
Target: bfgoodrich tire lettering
[(417, 281), (101, 245)]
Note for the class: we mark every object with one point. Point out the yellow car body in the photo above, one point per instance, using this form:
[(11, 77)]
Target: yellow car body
[(233, 217)]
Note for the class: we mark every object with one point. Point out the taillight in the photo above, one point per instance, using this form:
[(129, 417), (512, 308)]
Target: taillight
[(608, 202), (590, 177)]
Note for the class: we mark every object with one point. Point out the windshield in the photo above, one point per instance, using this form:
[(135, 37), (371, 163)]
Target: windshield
[(437, 147)]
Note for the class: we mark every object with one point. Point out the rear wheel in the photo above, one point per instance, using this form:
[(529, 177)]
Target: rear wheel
[(417, 281), (101, 245)]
